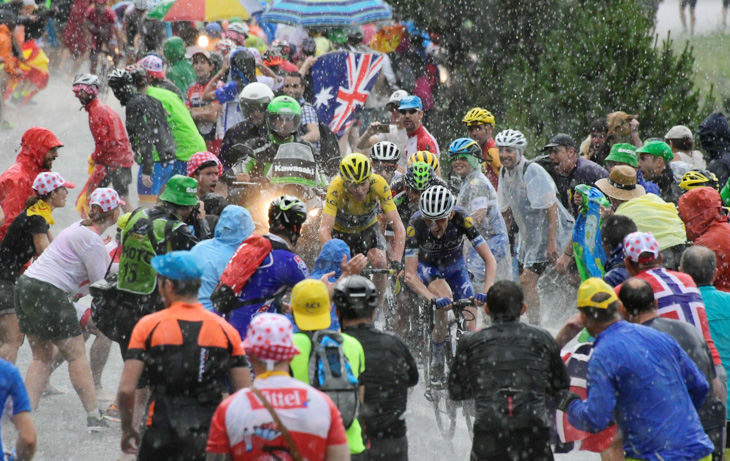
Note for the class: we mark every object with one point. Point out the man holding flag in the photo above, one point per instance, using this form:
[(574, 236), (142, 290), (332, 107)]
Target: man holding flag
[(110, 165)]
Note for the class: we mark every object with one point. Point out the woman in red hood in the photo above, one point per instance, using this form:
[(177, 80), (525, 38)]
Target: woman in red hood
[(39, 148), (707, 225)]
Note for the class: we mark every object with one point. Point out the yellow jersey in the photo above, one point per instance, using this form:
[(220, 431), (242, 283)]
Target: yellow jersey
[(352, 216)]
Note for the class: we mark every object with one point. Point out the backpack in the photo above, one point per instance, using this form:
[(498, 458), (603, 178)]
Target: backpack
[(330, 372), (242, 265)]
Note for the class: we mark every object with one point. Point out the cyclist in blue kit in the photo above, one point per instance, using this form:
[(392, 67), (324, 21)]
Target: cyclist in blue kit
[(435, 265)]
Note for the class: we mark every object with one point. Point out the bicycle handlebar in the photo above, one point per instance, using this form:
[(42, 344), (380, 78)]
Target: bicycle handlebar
[(374, 271), (457, 304)]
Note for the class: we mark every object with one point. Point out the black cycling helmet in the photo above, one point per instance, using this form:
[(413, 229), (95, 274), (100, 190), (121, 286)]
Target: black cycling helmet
[(139, 75), (122, 86), (243, 65), (286, 216), (355, 297)]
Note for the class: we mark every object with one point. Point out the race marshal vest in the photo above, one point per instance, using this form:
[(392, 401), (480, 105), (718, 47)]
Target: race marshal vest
[(136, 274)]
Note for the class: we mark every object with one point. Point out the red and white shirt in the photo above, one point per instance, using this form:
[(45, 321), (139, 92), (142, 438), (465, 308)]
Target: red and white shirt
[(421, 139), (243, 428)]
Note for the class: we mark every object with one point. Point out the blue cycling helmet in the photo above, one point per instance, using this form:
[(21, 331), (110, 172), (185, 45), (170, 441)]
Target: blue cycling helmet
[(465, 147)]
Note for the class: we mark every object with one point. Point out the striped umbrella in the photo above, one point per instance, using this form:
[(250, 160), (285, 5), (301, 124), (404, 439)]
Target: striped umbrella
[(204, 10), (333, 13)]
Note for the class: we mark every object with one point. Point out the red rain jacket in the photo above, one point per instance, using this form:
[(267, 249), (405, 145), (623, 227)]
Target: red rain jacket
[(112, 144)]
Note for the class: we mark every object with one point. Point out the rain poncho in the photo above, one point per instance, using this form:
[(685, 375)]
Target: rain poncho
[(234, 226), (529, 191), (179, 70), (707, 226), (16, 183), (477, 193), (714, 134), (652, 214)]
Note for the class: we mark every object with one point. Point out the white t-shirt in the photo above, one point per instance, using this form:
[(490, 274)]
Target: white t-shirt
[(75, 256)]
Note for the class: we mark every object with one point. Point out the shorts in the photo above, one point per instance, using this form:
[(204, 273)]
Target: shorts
[(455, 275), (120, 178), (7, 297), (45, 310), (160, 444), (523, 444), (389, 449), (537, 268), (160, 176), (362, 242), (691, 3)]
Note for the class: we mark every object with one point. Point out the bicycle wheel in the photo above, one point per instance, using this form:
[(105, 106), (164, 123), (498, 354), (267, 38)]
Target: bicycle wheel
[(443, 407)]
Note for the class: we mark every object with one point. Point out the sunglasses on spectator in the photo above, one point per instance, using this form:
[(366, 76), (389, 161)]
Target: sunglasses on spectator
[(408, 111)]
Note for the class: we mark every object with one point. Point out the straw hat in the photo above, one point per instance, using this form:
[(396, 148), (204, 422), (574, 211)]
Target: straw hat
[(621, 184)]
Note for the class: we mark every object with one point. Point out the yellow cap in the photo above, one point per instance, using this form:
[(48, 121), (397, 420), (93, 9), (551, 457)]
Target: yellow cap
[(123, 220), (310, 303), (592, 287)]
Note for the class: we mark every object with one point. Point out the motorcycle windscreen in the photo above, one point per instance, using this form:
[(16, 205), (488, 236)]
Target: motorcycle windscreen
[(294, 164)]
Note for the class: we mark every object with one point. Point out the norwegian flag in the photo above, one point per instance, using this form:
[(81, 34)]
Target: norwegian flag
[(342, 82), (576, 360)]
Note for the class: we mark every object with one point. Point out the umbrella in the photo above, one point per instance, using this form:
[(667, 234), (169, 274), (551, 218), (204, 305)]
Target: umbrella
[(204, 10), (333, 13)]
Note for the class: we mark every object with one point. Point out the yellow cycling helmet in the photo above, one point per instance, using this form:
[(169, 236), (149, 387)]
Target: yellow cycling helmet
[(424, 156), (479, 116), (355, 168), (699, 178)]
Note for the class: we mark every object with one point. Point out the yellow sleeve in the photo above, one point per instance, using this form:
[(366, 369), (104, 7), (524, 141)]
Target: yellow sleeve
[(334, 196), (385, 196)]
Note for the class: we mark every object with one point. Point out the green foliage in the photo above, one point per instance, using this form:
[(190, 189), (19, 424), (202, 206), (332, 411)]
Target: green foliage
[(547, 67)]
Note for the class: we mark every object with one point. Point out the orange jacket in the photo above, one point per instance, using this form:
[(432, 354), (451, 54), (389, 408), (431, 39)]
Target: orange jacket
[(6, 50)]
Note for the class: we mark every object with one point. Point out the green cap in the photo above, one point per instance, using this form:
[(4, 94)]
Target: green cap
[(623, 153), (657, 149), (181, 190)]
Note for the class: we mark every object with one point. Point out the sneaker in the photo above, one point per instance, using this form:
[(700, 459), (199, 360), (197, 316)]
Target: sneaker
[(94, 424), (51, 391), (112, 414)]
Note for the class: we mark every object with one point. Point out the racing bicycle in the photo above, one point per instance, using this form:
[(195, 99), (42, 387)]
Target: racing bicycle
[(444, 407)]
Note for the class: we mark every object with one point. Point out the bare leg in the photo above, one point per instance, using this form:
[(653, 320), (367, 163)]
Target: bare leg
[(98, 354), (615, 451), (692, 20), (39, 370), (683, 17), (528, 282), (440, 289), (10, 337), (79, 370)]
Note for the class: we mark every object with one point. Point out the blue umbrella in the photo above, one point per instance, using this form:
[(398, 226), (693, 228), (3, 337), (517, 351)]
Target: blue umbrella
[(333, 13)]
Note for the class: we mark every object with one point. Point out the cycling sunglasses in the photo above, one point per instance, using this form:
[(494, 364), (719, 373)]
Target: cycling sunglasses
[(390, 167), (408, 111)]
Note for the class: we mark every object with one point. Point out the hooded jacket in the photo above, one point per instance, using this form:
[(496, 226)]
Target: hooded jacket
[(714, 134), (16, 183), (110, 138), (234, 226), (179, 71), (701, 211)]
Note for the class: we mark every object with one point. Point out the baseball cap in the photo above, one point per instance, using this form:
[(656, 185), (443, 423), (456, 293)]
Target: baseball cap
[(181, 190), (411, 102), (204, 53), (270, 337), (201, 158), (107, 199), (560, 139), (154, 66), (214, 29), (657, 149), (678, 132), (47, 182), (178, 265), (623, 153), (395, 99), (590, 288), (310, 303), (638, 243)]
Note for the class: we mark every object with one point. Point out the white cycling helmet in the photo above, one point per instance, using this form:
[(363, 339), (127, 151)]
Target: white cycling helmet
[(86, 79), (385, 151), (142, 5), (511, 138), (436, 202), (238, 27)]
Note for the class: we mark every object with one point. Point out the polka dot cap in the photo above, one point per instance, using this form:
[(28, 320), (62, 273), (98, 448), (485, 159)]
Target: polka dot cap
[(107, 199), (637, 243), (269, 337), (47, 182)]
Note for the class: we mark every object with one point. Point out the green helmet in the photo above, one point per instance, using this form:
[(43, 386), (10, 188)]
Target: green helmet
[(283, 116), (418, 176)]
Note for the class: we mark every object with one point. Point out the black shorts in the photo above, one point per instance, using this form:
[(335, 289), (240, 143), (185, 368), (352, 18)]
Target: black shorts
[(45, 311), (120, 178), (537, 268), (523, 445), (690, 3), (362, 242), (160, 444), (7, 297)]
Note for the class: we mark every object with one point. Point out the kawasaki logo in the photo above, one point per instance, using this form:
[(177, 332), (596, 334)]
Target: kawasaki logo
[(293, 169)]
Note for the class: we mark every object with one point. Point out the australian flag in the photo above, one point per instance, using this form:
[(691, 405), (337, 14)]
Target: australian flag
[(342, 83)]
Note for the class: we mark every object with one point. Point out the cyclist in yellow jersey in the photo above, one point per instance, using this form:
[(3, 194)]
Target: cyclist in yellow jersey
[(351, 214)]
